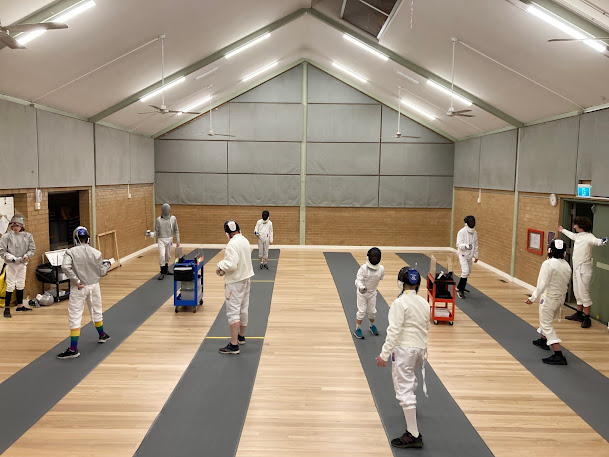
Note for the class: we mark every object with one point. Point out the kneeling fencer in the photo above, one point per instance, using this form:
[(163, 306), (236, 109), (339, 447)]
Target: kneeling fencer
[(582, 266), (236, 267), (552, 285), (264, 232), (16, 249), (406, 343), (83, 265), (166, 227), (467, 249), (367, 281)]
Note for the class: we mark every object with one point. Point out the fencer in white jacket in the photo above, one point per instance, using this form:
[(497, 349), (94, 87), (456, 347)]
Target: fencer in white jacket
[(236, 267), (406, 344), (366, 282), (467, 249), (166, 227), (552, 286), (264, 232), (582, 266)]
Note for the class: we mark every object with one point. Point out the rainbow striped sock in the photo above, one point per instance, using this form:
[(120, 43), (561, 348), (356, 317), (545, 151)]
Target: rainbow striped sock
[(74, 335), (100, 327)]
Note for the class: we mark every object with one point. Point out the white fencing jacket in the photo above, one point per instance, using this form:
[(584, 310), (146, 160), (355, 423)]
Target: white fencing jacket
[(553, 279), (408, 323), (167, 228), (84, 264), (13, 246), (264, 230), (369, 278), (467, 242), (237, 262), (582, 250)]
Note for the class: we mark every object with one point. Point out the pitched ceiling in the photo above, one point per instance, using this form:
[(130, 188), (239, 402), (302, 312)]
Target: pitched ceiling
[(196, 30)]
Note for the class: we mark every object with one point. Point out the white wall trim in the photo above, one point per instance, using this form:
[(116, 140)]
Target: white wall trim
[(136, 253)]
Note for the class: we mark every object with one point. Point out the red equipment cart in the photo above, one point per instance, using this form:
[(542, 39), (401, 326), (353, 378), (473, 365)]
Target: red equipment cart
[(442, 299)]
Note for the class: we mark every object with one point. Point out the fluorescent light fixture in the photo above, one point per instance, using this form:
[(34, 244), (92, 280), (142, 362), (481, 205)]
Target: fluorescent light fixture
[(262, 70), (196, 104), (566, 27), (248, 45), (365, 47), (349, 72), (404, 75), (418, 110), (64, 16), (205, 75), (161, 89), (456, 96)]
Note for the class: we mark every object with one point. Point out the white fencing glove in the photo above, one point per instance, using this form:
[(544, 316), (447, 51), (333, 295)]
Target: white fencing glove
[(604, 240)]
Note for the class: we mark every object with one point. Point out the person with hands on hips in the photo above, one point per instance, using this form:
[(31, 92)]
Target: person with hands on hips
[(467, 249)]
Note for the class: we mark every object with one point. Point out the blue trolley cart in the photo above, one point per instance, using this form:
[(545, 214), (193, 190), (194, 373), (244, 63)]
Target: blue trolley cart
[(188, 284)]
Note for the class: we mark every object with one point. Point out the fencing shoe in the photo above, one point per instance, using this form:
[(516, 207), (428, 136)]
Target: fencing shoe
[(542, 343), (577, 316), (358, 334), (407, 441), (373, 330), (586, 323), (555, 359)]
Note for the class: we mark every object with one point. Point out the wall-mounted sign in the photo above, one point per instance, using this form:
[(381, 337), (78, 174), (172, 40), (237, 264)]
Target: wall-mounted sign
[(535, 241), (583, 190)]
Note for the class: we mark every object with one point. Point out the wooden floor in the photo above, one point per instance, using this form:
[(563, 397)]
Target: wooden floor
[(310, 396)]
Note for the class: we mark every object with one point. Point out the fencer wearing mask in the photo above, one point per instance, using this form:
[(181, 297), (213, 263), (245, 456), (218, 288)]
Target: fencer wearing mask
[(166, 227), (467, 249), (406, 344), (582, 266), (367, 281), (264, 232), (552, 286)]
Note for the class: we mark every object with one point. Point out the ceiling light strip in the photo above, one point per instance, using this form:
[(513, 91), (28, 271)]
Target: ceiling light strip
[(349, 72), (365, 47), (449, 92), (418, 110), (258, 72), (162, 89), (197, 104), (248, 45)]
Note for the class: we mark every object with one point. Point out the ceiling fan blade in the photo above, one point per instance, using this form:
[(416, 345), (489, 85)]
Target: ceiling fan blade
[(406, 136), (462, 111), (27, 28), (150, 112), (184, 112), (579, 39), (158, 108), (10, 41), (465, 115)]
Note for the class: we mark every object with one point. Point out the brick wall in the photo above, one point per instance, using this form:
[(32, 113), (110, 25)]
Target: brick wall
[(378, 226), (494, 223), (130, 217), (204, 224), (535, 212)]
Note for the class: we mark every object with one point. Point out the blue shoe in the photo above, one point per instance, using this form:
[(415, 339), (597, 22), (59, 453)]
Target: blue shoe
[(373, 330), (358, 334)]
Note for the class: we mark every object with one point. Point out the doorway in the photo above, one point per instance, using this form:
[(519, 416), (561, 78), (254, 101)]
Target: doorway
[(64, 217)]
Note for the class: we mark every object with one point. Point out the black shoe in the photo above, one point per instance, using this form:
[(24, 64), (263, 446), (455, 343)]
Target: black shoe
[(587, 322), (407, 440), (266, 266), (161, 276), (7, 313), (261, 266), (555, 360), (103, 338), (460, 294), (22, 309), (69, 354), (542, 343), (577, 316), (241, 339), (230, 349)]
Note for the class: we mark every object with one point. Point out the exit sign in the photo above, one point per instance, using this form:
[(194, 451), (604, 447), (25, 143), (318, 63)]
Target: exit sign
[(583, 190)]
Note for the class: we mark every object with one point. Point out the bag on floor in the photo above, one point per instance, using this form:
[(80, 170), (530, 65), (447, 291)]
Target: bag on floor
[(3, 288)]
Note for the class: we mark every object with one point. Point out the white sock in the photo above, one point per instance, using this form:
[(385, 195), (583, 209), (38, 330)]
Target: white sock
[(357, 326), (411, 421)]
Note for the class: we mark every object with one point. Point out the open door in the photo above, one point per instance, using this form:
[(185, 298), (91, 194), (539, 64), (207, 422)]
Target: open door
[(600, 264)]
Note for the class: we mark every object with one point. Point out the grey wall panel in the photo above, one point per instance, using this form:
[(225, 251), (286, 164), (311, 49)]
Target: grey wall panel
[(267, 158), (266, 121), (342, 191), (593, 144), (345, 123), (343, 158), (285, 88), (417, 159), (142, 159), (407, 127), (264, 190), (323, 88), (66, 151), (416, 192), (190, 156), (191, 189), (548, 157), (467, 163), (498, 160), (600, 183), (112, 156), (198, 129), (18, 150)]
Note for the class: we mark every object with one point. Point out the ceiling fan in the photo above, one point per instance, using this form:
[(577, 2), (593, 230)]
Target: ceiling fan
[(163, 108), (12, 43), (211, 130), (451, 110), (398, 134)]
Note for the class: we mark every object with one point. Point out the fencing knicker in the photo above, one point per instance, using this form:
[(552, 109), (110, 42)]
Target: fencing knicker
[(548, 311), (164, 250), (405, 363), (263, 248), (366, 303), (15, 277), (237, 296), (582, 276), (90, 294)]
